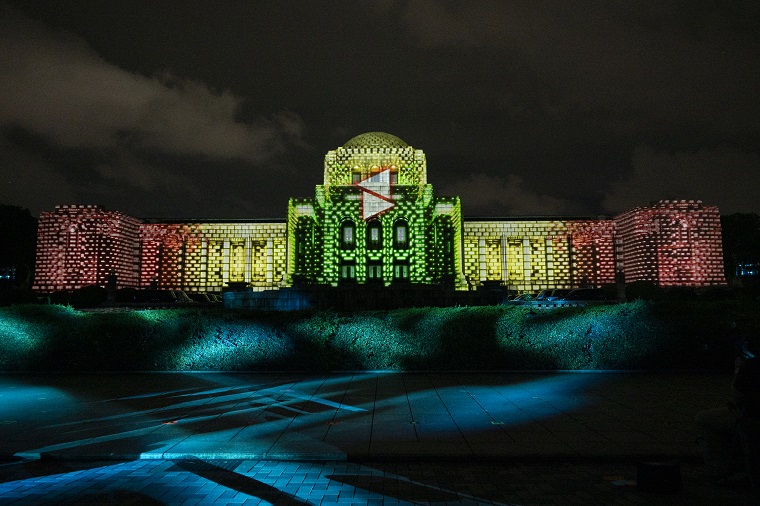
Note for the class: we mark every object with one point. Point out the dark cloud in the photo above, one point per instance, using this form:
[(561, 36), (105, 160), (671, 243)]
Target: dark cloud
[(28, 180), (484, 195), (722, 175), (58, 88), (521, 107)]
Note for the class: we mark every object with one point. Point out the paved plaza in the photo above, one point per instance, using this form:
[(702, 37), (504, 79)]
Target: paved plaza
[(365, 438)]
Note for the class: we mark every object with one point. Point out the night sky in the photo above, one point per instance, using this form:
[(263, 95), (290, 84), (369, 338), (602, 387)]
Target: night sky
[(226, 109)]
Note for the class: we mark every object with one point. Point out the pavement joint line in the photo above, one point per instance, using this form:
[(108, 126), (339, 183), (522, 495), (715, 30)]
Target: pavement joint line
[(643, 438)]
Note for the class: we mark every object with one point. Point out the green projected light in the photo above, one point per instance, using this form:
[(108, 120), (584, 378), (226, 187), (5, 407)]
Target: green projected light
[(375, 220)]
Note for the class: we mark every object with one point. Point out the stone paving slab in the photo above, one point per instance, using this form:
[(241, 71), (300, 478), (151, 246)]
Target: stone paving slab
[(228, 482), (362, 416)]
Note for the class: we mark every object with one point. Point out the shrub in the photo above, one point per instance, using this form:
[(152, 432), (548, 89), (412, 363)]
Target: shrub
[(667, 334)]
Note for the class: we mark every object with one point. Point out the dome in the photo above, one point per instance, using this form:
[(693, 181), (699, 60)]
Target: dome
[(375, 140)]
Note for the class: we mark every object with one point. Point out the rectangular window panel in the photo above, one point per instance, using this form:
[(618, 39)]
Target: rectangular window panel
[(493, 259), (237, 261), (348, 271), (401, 271), (374, 271)]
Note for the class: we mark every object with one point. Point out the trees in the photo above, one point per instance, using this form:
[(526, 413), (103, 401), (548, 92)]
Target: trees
[(18, 238), (741, 243)]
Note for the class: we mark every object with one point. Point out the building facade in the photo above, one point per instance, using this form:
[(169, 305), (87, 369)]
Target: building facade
[(376, 220), (84, 245), (532, 255)]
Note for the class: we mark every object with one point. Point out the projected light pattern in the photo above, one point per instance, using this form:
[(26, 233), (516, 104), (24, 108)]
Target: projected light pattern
[(208, 256), (533, 255), (376, 193), (282, 439), (672, 243), (83, 245), (234, 482), (234, 417), (175, 425), (375, 190), (375, 220), (367, 154)]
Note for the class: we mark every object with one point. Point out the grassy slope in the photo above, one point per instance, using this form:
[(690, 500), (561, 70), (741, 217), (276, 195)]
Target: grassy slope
[(637, 335)]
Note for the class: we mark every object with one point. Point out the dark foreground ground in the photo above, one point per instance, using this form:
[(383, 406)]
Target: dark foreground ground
[(369, 438)]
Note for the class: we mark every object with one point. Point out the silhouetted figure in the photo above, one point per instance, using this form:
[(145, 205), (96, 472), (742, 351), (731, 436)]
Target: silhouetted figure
[(724, 432), (620, 285), (111, 286)]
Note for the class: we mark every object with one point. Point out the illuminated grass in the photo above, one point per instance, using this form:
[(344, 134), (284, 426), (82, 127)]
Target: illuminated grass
[(637, 335), (25, 333), (236, 346)]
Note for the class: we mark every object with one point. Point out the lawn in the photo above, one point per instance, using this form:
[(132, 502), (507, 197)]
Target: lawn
[(640, 335)]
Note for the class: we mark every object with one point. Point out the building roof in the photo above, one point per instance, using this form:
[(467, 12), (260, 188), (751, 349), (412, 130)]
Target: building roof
[(375, 140)]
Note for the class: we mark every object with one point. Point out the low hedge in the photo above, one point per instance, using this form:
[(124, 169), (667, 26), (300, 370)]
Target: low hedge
[(673, 335)]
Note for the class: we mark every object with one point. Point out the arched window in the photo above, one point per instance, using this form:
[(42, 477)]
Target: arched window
[(401, 234), (374, 235), (347, 235)]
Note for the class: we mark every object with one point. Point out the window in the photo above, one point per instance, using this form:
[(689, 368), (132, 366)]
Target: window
[(347, 271), (401, 235), (347, 235), (304, 242), (374, 235), (393, 176), (400, 271), (356, 177), (374, 271)]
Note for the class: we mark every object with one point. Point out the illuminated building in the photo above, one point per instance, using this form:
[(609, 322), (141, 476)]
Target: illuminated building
[(83, 245), (375, 220), (200, 257), (672, 243), (533, 255)]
